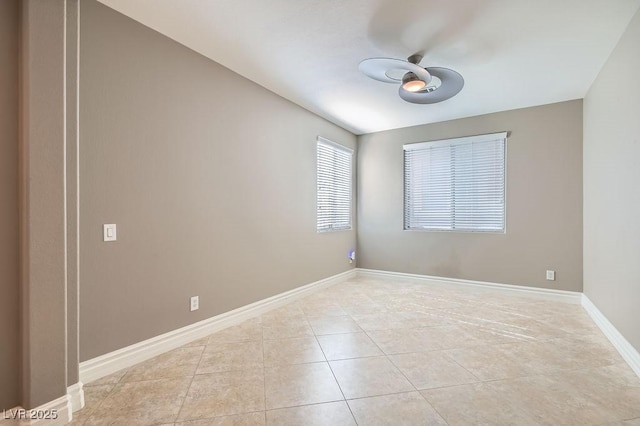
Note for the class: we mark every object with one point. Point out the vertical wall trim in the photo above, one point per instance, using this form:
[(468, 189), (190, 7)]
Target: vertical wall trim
[(72, 93), (64, 185)]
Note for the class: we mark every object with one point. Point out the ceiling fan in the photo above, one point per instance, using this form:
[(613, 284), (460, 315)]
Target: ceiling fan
[(418, 85)]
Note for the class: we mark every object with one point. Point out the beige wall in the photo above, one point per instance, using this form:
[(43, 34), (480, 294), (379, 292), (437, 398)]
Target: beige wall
[(612, 187), (9, 316), (544, 203), (42, 202), (209, 177)]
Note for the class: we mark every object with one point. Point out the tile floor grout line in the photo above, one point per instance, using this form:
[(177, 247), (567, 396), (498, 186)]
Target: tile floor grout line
[(190, 384), (415, 389), (336, 379), (462, 366), (310, 404), (402, 372), (215, 417), (103, 399), (377, 345), (286, 407), (433, 407), (383, 394)]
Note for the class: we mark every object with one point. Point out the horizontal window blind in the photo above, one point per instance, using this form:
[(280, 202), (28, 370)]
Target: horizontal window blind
[(456, 184), (334, 186)]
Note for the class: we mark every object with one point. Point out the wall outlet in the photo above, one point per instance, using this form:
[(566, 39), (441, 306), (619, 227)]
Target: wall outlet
[(195, 303), (352, 256), (551, 275)]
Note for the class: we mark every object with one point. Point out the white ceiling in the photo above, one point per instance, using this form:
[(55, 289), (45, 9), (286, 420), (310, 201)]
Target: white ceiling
[(511, 53)]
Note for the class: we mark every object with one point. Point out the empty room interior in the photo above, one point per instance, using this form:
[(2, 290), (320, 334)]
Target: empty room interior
[(363, 212)]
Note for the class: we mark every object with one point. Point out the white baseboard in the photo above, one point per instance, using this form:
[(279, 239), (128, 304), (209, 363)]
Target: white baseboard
[(126, 357), (622, 345), (62, 406), (40, 416), (76, 396), (534, 292)]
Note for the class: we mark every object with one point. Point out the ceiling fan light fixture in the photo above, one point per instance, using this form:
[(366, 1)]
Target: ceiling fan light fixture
[(418, 85), (411, 82)]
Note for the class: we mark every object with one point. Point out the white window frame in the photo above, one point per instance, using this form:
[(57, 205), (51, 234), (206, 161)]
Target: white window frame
[(452, 217), (335, 206)]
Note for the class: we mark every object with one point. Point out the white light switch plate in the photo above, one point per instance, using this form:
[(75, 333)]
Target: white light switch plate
[(109, 232)]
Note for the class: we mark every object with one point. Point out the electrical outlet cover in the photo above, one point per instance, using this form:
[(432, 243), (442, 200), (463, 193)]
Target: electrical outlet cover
[(195, 303)]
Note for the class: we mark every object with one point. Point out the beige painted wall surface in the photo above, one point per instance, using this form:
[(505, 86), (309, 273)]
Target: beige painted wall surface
[(9, 316), (612, 187), (209, 177), (544, 203), (42, 202)]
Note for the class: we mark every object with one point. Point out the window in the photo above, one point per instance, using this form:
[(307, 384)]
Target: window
[(334, 186), (456, 184)]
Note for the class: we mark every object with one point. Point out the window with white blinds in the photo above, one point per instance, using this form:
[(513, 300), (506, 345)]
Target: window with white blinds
[(456, 184), (334, 186)]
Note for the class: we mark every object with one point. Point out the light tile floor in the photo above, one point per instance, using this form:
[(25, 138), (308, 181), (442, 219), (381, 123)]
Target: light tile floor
[(383, 352)]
